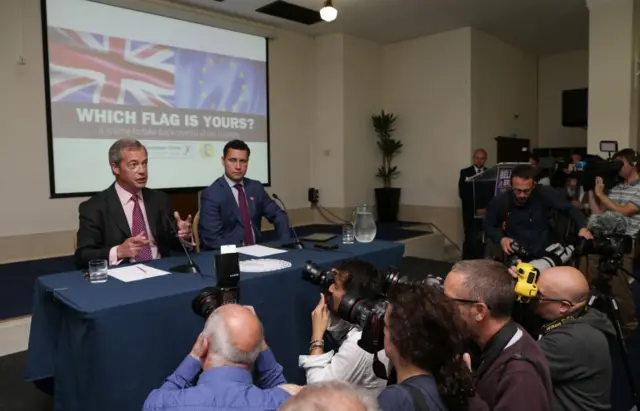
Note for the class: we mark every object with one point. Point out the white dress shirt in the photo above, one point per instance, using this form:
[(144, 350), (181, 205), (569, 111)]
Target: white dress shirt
[(350, 363)]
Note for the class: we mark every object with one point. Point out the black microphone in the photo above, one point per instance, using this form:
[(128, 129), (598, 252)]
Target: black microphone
[(190, 267), (297, 245)]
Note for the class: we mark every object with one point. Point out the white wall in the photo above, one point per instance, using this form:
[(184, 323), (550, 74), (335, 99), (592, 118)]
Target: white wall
[(26, 207), (427, 84), (503, 92), (327, 146), (556, 73), (362, 98)]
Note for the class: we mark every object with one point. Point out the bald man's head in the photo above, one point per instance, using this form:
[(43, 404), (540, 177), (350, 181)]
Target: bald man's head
[(330, 396), (562, 291), (234, 335)]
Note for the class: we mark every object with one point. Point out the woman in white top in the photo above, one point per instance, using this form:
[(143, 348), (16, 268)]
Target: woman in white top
[(349, 363)]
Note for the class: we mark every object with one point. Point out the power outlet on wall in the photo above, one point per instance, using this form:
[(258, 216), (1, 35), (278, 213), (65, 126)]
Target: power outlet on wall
[(313, 196)]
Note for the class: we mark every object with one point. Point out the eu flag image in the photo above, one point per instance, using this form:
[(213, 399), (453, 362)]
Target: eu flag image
[(208, 81)]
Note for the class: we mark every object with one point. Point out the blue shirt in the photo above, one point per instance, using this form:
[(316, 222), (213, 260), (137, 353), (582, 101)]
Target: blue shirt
[(395, 398), (221, 388)]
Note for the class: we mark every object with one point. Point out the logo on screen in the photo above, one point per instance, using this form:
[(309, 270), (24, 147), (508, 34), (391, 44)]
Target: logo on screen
[(206, 150)]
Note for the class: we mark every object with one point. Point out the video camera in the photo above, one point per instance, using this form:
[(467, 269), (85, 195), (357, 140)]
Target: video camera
[(366, 314), (226, 290), (610, 245), (595, 166)]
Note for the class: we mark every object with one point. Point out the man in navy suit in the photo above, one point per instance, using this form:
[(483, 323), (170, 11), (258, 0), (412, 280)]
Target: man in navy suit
[(472, 226), (231, 209)]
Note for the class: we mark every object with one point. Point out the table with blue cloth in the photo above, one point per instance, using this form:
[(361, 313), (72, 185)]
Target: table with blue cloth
[(106, 346)]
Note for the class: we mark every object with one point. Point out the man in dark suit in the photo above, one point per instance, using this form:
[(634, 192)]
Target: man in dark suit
[(128, 222), (483, 194), (231, 209)]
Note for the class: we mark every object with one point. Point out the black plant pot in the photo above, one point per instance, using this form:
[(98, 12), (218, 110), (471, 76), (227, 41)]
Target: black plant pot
[(387, 204)]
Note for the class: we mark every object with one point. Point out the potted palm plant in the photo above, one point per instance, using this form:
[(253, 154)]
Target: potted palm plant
[(387, 197)]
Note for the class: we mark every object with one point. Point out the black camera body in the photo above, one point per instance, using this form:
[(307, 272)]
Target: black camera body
[(367, 314), (226, 290)]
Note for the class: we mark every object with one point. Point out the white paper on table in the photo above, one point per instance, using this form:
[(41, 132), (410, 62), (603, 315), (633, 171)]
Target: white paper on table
[(135, 273), (259, 250)]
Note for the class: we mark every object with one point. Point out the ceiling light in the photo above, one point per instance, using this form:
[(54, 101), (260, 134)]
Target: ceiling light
[(328, 12)]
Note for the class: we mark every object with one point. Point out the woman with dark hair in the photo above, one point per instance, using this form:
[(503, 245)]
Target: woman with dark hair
[(348, 362), (424, 340)]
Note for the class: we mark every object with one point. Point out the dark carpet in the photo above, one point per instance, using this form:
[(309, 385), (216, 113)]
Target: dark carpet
[(15, 393)]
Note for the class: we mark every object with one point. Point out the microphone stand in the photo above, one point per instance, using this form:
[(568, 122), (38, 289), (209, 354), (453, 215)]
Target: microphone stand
[(294, 246), (190, 267)]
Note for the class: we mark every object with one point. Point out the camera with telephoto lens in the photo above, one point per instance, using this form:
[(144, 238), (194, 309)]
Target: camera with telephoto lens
[(367, 314)]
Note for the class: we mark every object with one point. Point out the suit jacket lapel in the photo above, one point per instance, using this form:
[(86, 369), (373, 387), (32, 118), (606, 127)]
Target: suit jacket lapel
[(116, 212), (153, 213), (231, 199)]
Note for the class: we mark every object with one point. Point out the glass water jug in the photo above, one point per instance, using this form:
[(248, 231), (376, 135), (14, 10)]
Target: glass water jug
[(364, 223)]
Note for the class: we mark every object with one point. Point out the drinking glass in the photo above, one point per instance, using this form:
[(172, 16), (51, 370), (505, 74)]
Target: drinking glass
[(348, 234), (98, 271)]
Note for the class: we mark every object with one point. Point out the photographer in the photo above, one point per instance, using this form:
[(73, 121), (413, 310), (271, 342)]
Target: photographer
[(574, 340), (511, 362), (230, 347), (623, 198), (423, 338), (350, 363), (523, 214)]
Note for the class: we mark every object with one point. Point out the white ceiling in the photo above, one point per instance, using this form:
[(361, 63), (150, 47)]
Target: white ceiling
[(542, 26)]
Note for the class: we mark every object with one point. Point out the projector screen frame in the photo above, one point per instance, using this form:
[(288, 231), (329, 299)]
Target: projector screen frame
[(49, 122)]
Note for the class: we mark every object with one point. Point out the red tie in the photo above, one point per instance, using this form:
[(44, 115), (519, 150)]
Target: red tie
[(244, 213), (138, 226)]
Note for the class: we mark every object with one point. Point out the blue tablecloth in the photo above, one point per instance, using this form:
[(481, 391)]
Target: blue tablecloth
[(108, 345)]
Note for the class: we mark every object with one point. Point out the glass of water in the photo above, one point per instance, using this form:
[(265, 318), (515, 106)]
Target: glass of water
[(348, 234), (98, 271)]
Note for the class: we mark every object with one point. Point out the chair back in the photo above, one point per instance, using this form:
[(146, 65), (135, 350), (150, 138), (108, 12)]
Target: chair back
[(196, 236), (75, 241)]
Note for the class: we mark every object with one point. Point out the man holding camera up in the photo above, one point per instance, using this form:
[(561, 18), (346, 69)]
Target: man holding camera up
[(522, 214), (230, 347), (623, 198)]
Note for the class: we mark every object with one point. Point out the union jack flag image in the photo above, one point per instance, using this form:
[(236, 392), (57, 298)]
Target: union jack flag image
[(98, 69)]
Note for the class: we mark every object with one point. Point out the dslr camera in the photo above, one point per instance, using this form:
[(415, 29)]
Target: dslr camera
[(226, 290), (367, 314)]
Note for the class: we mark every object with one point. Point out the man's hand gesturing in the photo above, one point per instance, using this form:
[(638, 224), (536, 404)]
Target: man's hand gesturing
[(132, 246)]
